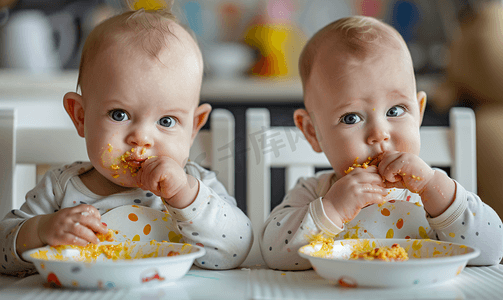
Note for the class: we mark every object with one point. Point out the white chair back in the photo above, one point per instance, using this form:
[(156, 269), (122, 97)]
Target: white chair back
[(453, 146), (25, 144)]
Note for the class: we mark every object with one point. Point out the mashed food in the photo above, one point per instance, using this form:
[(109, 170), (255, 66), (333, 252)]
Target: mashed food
[(126, 250), (393, 253), (370, 162)]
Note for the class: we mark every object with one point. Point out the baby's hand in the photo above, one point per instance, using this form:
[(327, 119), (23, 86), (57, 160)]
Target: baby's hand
[(358, 189), (405, 170), (164, 177), (71, 226)]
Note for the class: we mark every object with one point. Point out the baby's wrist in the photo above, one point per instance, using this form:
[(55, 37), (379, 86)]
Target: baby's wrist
[(438, 194), (331, 212), (186, 195)]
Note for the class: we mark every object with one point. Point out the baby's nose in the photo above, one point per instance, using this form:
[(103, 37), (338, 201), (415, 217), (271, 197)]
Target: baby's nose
[(378, 134), (140, 138)]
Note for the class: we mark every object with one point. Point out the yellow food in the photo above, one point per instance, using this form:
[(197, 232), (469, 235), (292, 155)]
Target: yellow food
[(393, 253), (362, 249), (109, 236), (370, 162), (326, 245), (124, 251)]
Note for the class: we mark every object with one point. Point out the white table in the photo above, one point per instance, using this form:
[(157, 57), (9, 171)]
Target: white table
[(261, 283)]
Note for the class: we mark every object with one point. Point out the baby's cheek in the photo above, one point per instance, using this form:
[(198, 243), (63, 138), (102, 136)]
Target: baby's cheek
[(110, 158)]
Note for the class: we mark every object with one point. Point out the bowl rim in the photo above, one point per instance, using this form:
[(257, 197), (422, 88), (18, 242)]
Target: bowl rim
[(121, 262), (473, 252)]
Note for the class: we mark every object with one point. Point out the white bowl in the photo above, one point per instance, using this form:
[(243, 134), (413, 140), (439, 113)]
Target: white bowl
[(69, 269), (429, 262)]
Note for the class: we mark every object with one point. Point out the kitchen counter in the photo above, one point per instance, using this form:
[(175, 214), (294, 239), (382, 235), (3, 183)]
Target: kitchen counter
[(16, 85)]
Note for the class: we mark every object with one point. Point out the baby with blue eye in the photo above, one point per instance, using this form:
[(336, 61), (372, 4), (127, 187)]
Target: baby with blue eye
[(361, 103), (140, 80)]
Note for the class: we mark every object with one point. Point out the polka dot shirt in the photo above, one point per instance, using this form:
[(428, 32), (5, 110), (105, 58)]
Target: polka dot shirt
[(213, 220)]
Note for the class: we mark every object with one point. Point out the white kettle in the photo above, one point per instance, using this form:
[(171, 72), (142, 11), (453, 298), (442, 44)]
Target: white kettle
[(27, 42)]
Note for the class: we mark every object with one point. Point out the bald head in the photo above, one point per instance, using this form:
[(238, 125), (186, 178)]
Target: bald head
[(152, 32), (348, 39)]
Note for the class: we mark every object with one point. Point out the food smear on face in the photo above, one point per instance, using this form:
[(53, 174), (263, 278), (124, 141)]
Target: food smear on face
[(385, 253), (131, 160)]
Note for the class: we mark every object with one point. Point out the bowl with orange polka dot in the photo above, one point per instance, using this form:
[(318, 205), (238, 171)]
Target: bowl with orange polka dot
[(386, 262), (141, 224), (114, 265), (144, 248)]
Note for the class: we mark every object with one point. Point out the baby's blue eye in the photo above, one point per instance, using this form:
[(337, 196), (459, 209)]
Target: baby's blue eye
[(395, 111), (350, 119), (167, 122), (118, 115)]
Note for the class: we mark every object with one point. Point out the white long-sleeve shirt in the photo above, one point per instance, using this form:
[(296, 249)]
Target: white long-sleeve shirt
[(213, 219), (290, 225)]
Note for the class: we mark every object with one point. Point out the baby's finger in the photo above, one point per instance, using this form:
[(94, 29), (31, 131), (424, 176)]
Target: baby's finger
[(92, 223), (368, 175), (392, 172), (89, 210), (83, 232), (372, 189), (373, 198), (397, 184), (74, 240), (68, 238), (151, 177)]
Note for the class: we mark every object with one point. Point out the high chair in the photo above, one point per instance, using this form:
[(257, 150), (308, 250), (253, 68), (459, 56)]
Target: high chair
[(26, 144), (268, 147)]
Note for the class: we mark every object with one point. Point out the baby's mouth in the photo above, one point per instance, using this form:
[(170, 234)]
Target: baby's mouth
[(134, 162), (371, 161), (374, 161)]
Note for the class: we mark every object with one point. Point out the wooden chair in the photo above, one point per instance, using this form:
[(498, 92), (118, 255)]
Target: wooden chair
[(26, 144), (453, 146)]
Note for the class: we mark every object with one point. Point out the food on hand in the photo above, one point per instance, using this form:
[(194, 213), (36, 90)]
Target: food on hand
[(370, 162), (109, 236)]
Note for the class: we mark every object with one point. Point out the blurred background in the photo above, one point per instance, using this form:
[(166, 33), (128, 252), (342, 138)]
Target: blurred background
[(246, 37), (251, 49)]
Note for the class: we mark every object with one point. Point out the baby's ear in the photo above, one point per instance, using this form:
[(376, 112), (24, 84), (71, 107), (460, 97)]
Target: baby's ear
[(200, 117), (304, 122), (421, 101), (73, 106)]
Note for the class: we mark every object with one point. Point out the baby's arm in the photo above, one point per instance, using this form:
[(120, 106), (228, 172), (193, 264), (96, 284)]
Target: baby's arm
[(20, 228), (471, 222), (292, 223), (455, 214), (69, 226), (214, 221)]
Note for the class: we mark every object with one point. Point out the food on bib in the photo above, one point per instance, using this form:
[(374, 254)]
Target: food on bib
[(393, 253)]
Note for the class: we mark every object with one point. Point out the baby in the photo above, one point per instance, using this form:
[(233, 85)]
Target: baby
[(361, 102), (140, 77)]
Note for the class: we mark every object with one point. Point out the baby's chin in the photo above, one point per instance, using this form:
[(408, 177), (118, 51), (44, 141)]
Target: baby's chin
[(122, 180), (125, 183)]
